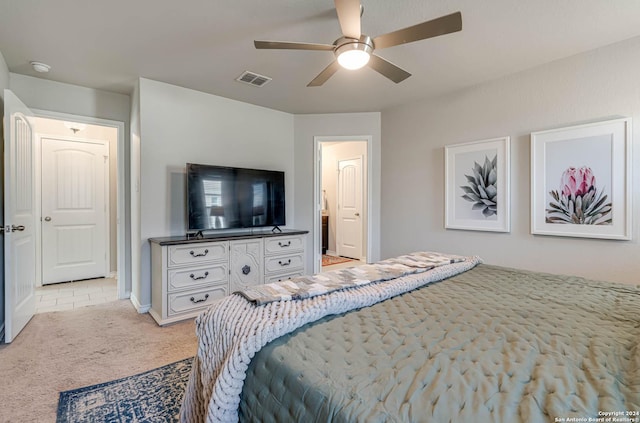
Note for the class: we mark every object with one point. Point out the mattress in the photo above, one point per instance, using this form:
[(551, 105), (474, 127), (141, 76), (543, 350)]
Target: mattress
[(491, 344)]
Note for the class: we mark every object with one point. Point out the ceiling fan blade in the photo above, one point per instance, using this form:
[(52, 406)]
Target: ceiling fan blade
[(349, 17), (388, 69), (285, 45), (325, 74), (439, 26)]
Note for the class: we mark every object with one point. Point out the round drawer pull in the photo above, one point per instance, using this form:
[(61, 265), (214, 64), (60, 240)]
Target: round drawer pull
[(193, 300), (195, 278), (193, 254), (246, 269)]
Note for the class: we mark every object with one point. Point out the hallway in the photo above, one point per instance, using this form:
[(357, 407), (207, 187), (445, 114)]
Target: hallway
[(73, 295)]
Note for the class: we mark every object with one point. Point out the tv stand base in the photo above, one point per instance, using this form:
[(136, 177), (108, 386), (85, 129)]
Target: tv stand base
[(197, 235)]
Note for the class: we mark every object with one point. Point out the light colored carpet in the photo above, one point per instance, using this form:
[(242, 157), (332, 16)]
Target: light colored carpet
[(66, 350)]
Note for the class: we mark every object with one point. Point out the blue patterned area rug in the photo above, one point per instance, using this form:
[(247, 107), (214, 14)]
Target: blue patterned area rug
[(153, 396)]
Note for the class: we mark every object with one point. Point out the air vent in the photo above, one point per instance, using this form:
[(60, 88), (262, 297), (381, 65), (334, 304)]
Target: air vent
[(252, 78)]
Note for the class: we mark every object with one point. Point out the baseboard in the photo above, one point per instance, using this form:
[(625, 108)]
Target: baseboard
[(139, 307), (2, 333), (113, 275)]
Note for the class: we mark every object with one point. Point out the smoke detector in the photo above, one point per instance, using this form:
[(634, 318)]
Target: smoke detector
[(40, 67), (253, 78)]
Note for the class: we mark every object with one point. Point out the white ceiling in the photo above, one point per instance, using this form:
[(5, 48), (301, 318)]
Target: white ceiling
[(206, 44)]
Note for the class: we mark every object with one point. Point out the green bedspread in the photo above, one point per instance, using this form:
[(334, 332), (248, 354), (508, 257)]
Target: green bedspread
[(491, 344)]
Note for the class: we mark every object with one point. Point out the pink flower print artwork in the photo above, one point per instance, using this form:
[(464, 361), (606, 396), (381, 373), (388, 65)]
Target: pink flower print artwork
[(578, 200), (577, 181)]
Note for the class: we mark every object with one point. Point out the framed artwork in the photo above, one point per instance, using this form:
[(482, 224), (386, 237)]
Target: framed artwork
[(477, 185), (580, 180)]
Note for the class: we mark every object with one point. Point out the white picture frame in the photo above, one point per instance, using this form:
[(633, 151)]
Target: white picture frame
[(466, 204), (581, 180)]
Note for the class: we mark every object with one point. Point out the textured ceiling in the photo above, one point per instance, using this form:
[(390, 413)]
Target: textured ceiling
[(205, 45)]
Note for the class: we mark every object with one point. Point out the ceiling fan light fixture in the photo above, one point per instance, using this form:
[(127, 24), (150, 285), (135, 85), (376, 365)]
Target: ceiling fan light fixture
[(354, 49), (40, 67), (354, 55), (353, 59), (75, 126)]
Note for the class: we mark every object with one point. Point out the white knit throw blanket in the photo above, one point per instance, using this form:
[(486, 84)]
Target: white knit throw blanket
[(234, 329)]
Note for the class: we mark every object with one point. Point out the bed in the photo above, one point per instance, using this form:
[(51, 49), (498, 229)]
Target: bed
[(486, 344)]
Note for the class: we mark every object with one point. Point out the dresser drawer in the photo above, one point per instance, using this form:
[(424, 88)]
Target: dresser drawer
[(195, 277), (185, 302), (283, 244), (282, 276), (284, 263), (197, 253)]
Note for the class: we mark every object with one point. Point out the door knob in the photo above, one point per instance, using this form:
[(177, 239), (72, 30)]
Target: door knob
[(18, 228), (47, 219), (357, 214)]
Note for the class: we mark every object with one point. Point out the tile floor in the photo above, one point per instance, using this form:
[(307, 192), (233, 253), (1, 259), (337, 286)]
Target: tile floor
[(72, 295), (345, 265)]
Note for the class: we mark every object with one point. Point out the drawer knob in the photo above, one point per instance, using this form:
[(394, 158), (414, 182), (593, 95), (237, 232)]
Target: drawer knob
[(195, 278), (283, 245), (193, 254), (246, 269), (193, 300), (284, 263)]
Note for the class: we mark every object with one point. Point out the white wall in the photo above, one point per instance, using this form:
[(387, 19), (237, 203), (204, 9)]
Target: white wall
[(590, 86), (44, 94), (134, 186), (4, 79), (4, 83), (344, 124), (179, 126)]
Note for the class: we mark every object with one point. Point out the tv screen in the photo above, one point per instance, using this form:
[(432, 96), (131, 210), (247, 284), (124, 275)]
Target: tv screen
[(232, 198)]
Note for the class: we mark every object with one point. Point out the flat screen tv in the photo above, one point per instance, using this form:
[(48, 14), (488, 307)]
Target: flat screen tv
[(221, 197)]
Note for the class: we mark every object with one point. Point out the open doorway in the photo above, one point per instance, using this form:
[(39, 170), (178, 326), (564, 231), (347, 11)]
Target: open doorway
[(79, 239), (342, 207)]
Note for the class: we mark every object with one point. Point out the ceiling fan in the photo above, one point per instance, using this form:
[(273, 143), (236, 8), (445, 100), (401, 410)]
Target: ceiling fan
[(354, 49)]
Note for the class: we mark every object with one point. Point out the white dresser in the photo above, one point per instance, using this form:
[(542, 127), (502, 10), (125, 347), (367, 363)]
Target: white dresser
[(188, 275)]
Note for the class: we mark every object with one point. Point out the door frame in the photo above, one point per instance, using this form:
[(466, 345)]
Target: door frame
[(317, 193), (38, 168), (124, 274)]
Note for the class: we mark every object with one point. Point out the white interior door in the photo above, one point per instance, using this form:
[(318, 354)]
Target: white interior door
[(349, 221), (19, 215), (74, 210)]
